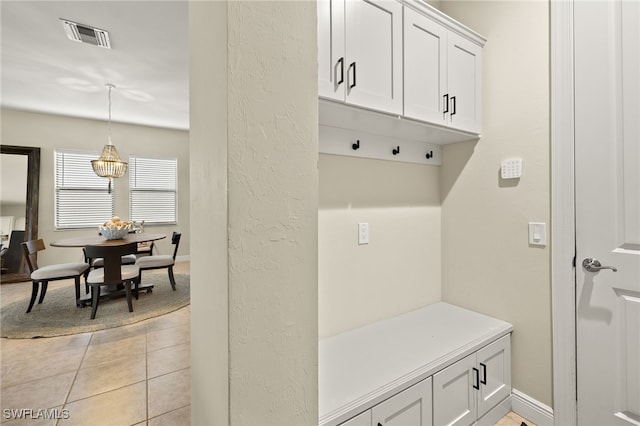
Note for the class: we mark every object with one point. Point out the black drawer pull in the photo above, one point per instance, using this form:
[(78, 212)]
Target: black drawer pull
[(484, 374), (476, 373), (341, 63)]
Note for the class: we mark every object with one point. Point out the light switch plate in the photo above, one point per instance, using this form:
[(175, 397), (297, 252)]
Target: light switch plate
[(363, 233), (537, 233), (511, 168)]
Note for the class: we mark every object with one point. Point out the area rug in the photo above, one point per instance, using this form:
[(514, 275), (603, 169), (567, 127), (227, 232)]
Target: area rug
[(59, 316)]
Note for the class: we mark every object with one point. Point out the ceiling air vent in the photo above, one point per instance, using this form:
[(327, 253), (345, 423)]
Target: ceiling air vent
[(84, 34)]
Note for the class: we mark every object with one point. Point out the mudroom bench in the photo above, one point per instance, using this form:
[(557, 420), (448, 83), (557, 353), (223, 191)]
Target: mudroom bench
[(440, 364)]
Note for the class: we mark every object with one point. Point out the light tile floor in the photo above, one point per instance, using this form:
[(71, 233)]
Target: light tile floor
[(138, 374), (512, 419)]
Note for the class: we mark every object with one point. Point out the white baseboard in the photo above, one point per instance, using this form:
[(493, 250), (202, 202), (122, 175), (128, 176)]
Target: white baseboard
[(186, 258), (531, 409)]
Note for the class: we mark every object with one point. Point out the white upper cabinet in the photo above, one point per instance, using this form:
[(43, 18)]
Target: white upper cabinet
[(360, 53), (331, 71), (464, 82), (425, 67), (442, 74)]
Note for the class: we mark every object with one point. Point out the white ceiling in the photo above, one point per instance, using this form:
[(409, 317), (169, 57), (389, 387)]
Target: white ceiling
[(44, 71)]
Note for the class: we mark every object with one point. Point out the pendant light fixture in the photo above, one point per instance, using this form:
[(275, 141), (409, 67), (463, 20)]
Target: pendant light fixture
[(109, 164)]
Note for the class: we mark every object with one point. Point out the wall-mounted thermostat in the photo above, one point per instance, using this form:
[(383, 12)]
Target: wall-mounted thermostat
[(511, 168)]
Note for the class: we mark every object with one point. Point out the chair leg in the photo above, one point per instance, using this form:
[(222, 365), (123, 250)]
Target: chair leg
[(45, 284), (127, 286), (77, 282), (136, 284), (34, 293), (95, 296), (172, 279)]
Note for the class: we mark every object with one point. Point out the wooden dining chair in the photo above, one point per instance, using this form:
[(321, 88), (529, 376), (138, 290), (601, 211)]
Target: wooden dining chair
[(42, 275), (160, 262), (113, 274)]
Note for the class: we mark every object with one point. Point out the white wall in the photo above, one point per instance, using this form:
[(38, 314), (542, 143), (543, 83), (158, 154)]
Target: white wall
[(255, 127), (487, 264), (209, 240), (50, 132), (399, 270)]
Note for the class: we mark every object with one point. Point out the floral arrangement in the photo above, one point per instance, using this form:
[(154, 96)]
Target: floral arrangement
[(115, 228)]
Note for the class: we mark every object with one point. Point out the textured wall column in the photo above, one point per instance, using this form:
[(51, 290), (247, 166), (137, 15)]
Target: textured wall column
[(273, 208), (209, 242)]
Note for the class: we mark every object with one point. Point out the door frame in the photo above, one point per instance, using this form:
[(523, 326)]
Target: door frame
[(563, 238)]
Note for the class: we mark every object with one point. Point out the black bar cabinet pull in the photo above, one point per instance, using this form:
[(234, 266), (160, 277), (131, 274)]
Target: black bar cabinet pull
[(446, 103), (453, 101), (341, 63), (476, 372), (353, 65), (484, 373)]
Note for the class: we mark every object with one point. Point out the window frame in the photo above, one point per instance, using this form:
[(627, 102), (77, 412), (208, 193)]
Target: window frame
[(98, 186), (136, 163)]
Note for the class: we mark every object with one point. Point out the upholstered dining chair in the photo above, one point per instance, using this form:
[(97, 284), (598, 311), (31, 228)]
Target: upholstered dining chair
[(98, 262), (48, 273), (160, 262), (113, 274)]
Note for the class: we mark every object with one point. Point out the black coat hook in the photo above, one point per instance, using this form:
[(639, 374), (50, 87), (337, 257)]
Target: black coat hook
[(396, 150), (356, 145), (429, 155)]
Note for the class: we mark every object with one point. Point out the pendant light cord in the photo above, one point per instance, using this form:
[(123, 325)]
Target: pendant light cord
[(110, 86)]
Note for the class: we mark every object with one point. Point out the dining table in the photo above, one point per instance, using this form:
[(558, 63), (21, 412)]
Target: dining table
[(98, 240)]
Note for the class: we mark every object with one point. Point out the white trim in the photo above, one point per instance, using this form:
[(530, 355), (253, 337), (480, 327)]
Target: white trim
[(531, 409), (563, 214)]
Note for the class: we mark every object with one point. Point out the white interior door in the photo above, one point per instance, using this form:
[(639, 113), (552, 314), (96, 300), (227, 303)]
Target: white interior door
[(607, 139)]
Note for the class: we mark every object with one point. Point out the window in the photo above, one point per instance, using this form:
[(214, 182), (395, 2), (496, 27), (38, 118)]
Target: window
[(153, 184), (82, 199)]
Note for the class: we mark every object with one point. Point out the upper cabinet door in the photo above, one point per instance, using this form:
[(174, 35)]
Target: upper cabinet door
[(425, 68), (464, 84), (374, 54), (331, 66)]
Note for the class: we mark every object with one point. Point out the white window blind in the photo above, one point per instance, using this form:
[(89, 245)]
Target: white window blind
[(153, 184), (82, 199)]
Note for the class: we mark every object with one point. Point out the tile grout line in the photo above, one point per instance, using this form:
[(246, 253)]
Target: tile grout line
[(73, 382)]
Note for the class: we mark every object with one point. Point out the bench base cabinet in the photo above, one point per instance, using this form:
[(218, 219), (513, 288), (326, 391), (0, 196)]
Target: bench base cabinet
[(468, 389), (437, 365), (459, 395), (412, 406)]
